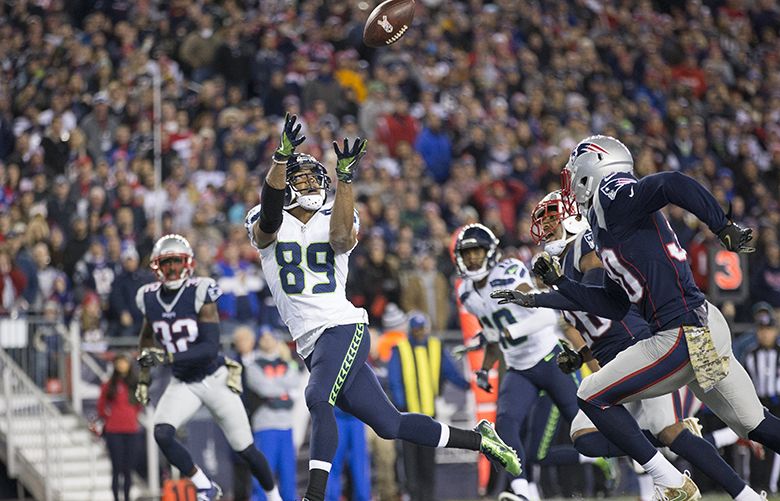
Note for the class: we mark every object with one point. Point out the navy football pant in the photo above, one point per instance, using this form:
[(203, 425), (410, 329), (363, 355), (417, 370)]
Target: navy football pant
[(520, 390), (340, 376)]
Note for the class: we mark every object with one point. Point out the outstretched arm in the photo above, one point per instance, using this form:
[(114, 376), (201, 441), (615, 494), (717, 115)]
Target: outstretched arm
[(343, 232), (263, 221)]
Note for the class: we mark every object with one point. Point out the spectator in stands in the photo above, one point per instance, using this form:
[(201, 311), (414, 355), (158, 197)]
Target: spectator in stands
[(413, 389), (119, 410), (761, 361), (375, 282), (271, 377), (125, 315), (12, 284), (427, 290), (766, 278), (240, 284), (435, 147)]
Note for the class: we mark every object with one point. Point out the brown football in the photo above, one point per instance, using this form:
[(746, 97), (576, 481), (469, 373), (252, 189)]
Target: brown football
[(388, 22)]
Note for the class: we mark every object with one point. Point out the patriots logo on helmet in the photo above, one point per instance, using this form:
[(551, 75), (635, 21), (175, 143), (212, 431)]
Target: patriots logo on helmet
[(588, 147)]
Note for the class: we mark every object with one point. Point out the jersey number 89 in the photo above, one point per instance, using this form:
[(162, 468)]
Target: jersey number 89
[(320, 258)]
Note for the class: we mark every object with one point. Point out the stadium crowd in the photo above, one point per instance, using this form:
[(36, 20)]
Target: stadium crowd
[(470, 117)]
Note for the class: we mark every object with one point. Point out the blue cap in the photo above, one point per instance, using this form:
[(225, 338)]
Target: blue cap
[(417, 320)]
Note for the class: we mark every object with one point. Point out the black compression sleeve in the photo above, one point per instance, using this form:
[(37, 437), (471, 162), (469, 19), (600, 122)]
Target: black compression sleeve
[(271, 204)]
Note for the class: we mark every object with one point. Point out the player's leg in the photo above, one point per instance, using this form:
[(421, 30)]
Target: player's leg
[(229, 413), (366, 400), (176, 406), (663, 417), (516, 398), (335, 478), (338, 355), (651, 367)]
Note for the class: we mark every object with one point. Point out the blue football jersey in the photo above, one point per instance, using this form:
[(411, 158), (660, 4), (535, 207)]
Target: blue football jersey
[(173, 317), (640, 250), (605, 337)]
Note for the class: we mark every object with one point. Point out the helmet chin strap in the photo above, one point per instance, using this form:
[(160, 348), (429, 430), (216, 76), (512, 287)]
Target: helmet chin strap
[(556, 247)]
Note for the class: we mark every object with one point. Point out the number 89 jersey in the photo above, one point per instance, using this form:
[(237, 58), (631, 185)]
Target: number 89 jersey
[(308, 280), (502, 323)]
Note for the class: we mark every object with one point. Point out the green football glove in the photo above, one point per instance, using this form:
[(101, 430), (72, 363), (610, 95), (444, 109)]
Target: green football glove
[(349, 158), (289, 140)]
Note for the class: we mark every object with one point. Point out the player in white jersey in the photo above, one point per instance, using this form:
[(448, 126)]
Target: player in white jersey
[(304, 244), (528, 339)]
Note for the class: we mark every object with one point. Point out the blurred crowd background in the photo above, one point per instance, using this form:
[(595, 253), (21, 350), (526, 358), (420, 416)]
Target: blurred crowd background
[(470, 117)]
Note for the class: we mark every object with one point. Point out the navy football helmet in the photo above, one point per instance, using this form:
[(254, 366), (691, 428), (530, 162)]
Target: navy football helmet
[(469, 237), (297, 165)]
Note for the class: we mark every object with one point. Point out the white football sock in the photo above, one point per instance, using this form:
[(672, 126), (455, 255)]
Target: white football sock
[(663, 472), (748, 494), (200, 479), (273, 494), (724, 437), (520, 486), (587, 460), (444, 437), (645, 487)]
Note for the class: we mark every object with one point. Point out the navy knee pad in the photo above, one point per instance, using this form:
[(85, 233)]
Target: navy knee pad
[(164, 434)]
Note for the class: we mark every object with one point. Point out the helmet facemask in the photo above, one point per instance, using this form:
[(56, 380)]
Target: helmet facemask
[(476, 236), (556, 222), (172, 261), (300, 192)]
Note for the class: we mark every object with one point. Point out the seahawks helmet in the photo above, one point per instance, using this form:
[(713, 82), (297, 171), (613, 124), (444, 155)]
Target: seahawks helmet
[(469, 237), (172, 246), (292, 198), (593, 159), (553, 210)]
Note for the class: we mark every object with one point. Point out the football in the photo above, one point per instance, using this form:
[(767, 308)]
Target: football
[(388, 22)]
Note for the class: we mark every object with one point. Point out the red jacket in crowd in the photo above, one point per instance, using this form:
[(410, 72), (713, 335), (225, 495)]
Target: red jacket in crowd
[(119, 415)]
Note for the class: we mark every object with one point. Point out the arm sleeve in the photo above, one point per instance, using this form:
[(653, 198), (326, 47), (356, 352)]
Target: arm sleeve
[(556, 301), (205, 348), (451, 372), (607, 300), (396, 381), (537, 320), (654, 192)]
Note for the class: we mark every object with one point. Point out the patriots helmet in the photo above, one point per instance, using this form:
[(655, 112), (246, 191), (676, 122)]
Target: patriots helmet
[(552, 211), (469, 237), (593, 159), (172, 261), (299, 192)]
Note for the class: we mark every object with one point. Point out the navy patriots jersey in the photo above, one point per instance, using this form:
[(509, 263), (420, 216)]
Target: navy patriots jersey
[(639, 249), (605, 337), (173, 317)]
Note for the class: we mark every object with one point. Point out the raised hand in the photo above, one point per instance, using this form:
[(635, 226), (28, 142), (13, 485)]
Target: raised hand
[(289, 140), (349, 158), (514, 296)]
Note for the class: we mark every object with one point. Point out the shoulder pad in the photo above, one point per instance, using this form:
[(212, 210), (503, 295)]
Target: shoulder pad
[(207, 291)]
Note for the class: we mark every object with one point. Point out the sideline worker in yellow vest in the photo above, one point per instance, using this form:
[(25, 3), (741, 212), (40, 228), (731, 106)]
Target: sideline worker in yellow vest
[(415, 372)]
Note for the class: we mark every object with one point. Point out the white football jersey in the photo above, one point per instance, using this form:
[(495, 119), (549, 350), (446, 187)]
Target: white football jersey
[(503, 323), (307, 280)]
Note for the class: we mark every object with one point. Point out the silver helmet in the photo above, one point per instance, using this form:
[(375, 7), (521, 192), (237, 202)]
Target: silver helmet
[(593, 159), (170, 247)]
